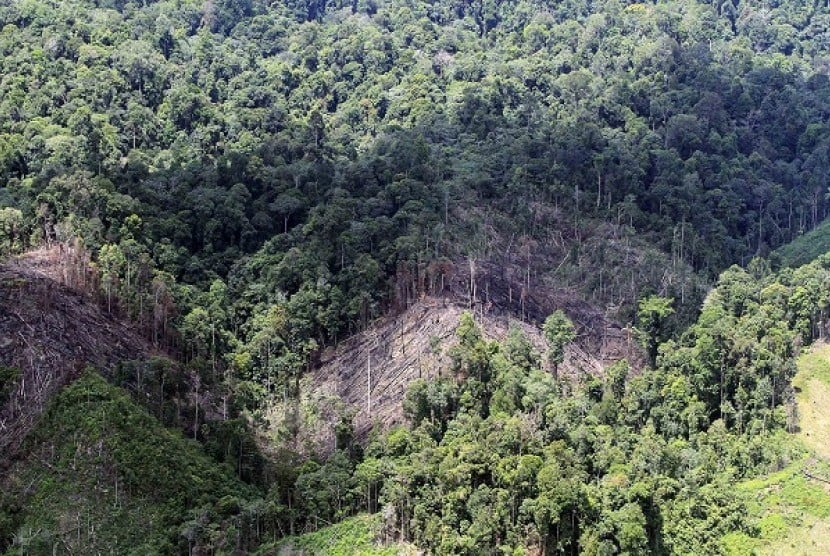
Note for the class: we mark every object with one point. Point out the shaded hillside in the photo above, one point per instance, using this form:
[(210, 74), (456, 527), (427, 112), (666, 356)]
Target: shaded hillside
[(100, 475), (51, 331)]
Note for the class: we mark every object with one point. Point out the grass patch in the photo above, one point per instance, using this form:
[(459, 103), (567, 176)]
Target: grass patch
[(792, 511), (811, 538), (812, 385), (807, 247), (351, 537), (783, 497), (739, 544), (773, 526)]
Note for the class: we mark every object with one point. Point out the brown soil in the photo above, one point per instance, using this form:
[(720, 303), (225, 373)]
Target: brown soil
[(51, 331)]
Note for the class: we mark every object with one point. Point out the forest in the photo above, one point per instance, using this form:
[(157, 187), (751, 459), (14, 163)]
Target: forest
[(249, 183)]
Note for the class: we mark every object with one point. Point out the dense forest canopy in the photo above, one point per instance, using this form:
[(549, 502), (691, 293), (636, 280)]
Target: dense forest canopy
[(303, 152), (225, 123), (250, 181)]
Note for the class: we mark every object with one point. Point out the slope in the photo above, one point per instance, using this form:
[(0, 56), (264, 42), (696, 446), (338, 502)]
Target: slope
[(101, 475), (50, 331), (805, 248), (416, 343), (793, 505), (354, 536), (596, 276), (365, 377)]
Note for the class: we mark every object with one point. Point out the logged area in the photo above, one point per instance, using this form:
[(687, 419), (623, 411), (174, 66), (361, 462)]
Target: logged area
[(372, 371), (50, 331)]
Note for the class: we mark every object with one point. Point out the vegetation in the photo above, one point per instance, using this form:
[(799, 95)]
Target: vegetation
[(812, 384), (8, 377), (249, 182), (792, 507), (502, 457), (805, 248), (352, 537), (102, 474), (259, 179)]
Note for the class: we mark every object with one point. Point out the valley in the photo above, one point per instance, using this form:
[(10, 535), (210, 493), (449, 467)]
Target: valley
[(457, 277)]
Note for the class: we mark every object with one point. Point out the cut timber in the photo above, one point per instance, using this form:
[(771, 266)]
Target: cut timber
[(415, 343), (51, 332)]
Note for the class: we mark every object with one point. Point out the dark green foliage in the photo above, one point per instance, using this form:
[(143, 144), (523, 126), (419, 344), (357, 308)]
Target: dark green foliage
[(233, 443), (255, 181), (97, 457), (651, 322), (303, 154)]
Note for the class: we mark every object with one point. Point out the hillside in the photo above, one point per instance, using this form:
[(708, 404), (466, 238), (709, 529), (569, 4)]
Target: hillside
[(688, 457), (415, 344), (505, 277), (507, 289), (356, 536), (99, 474), (792, 506), (50, 330), (806, 247)]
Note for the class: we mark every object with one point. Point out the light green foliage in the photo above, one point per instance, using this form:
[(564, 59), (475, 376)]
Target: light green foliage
[(559, 332), (355, 536), (652, 313), (804, 248), (12, 232), (790, 507), (98, 458)]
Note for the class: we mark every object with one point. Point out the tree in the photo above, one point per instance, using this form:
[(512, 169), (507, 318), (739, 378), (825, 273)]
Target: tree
[(113, 265), (651, 319), (11, 230), (559, 332)]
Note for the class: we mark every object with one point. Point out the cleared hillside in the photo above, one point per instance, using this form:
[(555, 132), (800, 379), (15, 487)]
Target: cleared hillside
[(367, 376), (416, 343), (50, 331)]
